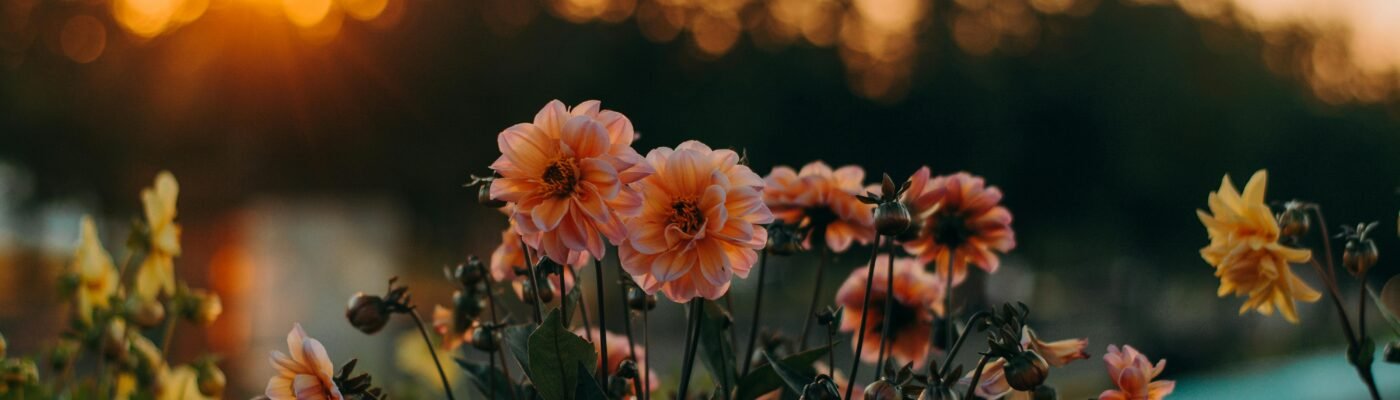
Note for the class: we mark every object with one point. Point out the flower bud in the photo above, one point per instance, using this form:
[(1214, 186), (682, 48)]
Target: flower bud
[(203, 307), (784, 239), (368, 313), (822, 388), (211, 380), (144, 313), (470, 273), (883, 390), (485, 339), (618, 387), (114, 339), (639, 300), (483, 196), (1044, 393), (892, 218), (1359, 256), (1026, 370), (466, 306), (627, 369), (546, 290), (1294, 221), (526, 289)]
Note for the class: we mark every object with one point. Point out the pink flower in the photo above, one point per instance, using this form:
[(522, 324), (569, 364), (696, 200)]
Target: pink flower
[(959, 212), (566, 174), (306, 374), (700, 223), (1133, 374), (917, 296), (818, 196)]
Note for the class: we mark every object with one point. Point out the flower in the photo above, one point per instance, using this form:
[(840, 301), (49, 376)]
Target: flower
[(823, 199), (509, 256), (181, 383), (306, 374), (957, 212), (917, 295), (1133, 374), (700, 223), (156, 275), (567, 175), (618, 352), (993, 383), (1246, 254), (97, 277)]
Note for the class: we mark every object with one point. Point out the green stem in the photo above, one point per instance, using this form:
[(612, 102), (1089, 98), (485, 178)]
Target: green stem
[(757, 307), (864, 314), (816, 295), (976, 377), (646, 358), (888, 308), (170, 319), (534, 280), (602, 320), (446, 388), (691, 345), (500, 350)]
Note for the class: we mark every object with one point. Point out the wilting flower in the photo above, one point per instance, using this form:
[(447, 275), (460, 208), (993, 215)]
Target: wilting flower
[(1133, 374), (1246, 254), (157, 272), (823, 199), (97, 277), (305, 375), (701, 223), (565, 173), (619, 352), (993, 384), (917, 295), (957, 212)]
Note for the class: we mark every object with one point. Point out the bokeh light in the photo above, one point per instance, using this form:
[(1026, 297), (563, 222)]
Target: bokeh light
[(83, 38)]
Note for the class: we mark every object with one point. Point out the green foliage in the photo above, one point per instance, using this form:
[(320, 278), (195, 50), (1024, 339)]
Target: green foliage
[(765, 378), (588, 389), (484, 377), (717, 349), (553, 353), (517, 337)]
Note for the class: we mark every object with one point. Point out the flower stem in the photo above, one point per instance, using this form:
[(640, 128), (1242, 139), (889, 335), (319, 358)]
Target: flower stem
[(977, 376), (534, 280), (864, 313), (627, 328), (972, 322), (170, 320), (446, 388), (757, 307), (646, 358), (602, 320), (500, 350), (692, 342), (816, 295), (582, 311), (889, 309), (948, 327)]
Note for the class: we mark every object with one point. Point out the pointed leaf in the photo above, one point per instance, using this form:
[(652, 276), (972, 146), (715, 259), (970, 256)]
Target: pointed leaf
[(554, 352), (588, 389), (763, 379), (484, 376), (575, 300), (517, 339), (718, 354)]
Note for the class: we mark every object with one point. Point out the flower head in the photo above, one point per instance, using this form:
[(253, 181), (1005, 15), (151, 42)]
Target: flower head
[(97, 277), (822, 199), (567, 175), (618, 351), (307, 374), (917, 297), (1133, 374), (957, 213), (509, 256), (156, 275), (701, 223), (1246, 254), (993, 384)]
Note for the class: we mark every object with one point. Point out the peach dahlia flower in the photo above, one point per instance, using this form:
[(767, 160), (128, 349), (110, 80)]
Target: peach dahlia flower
[(700, 223), (1246, 254), (306, 374), (961, 212), (917, 295), (817, 196), (1133, 374), (617, 352), (566, 174)]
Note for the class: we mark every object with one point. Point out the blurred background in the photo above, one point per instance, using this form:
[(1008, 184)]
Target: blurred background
[(321, 147)]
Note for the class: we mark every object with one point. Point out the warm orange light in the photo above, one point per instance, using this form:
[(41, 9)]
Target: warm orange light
[(83, 38), (306, 13), (364, 10), (144, 18)]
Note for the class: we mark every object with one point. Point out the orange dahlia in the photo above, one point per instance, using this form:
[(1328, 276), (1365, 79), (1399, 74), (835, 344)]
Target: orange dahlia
[(823, 199), (1246, 254), (509, 256), (957, 212), (700, 223), (564, 173), (1133, 374), (916, 293)]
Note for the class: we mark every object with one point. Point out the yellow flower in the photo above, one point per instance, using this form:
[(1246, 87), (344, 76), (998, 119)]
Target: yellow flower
[(97, 277), (157, 272), (181, 383), (1246, 254)]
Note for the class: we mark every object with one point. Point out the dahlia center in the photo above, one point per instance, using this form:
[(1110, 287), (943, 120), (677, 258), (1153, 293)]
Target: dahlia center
[(950, 229), (901, 317), (686, 214), (561, 177)]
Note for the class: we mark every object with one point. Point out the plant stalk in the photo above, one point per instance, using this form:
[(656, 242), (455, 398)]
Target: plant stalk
[(417, 320), (888, 309), (757, 307), (602, 320), (691, 345), (864, 314), (534, 280), (816, 295)]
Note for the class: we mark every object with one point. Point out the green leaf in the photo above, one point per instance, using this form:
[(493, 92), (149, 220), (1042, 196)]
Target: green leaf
[(575, 299), (794, 378), (588, 389), (718, 354), (484, 377), (764, 379), (517, 339), (554, 351)]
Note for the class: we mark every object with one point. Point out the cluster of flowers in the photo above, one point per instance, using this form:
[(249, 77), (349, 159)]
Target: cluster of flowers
[(112, 325)]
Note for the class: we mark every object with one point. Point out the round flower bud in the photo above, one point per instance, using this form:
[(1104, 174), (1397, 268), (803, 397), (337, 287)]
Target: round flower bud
[(470, 273), (883, 390), (465, 308), (204, 307), (483, 196), (892, 218), (939, 392), (618, 387), (822, 388), (1294, 221), (639, 300), (485, 339), (1026, 370), (627, 369), (1359, 256), (368, 313), (211, 380), (145, 313), (546, 290), (1044, 393)]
